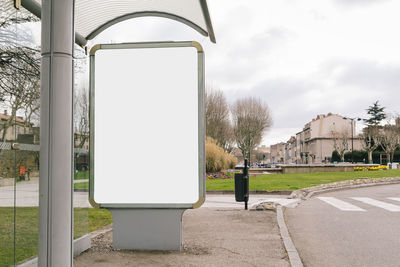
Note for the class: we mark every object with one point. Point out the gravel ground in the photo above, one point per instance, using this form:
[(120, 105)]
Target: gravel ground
[(210, 238)]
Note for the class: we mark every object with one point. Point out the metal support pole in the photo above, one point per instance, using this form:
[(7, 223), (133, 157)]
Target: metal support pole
[(56, 135), (246, 183), (352, 143)]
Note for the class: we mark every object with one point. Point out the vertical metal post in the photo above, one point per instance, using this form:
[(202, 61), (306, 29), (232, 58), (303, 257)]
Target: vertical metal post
[(56, 135), (246, 183), (352, 143)]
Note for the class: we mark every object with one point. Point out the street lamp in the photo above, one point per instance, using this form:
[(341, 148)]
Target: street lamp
[(352, 136)]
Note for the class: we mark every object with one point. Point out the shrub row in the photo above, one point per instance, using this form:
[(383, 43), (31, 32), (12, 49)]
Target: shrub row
[(362, 156), (217, 158)]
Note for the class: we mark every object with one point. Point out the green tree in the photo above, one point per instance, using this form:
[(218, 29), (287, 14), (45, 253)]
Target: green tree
[(376, 114), (372, 133)]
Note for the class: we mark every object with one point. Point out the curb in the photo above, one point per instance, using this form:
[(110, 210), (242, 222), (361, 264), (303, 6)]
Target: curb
[(226, 192), (101, 231), (310, 194), (81, 190), (254, 192), (299, 194), (294, 258)]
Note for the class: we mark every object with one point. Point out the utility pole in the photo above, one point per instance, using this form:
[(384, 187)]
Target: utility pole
[(352, 120)]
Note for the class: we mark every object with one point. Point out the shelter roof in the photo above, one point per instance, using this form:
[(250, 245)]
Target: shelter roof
[(94, 16)]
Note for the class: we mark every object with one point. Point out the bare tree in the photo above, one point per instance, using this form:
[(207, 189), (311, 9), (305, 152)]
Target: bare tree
[(81, 98), (19, 66), (251, 118), (218, 124), (18, 54), (340, 142), (372, 139), (81, 117), (32, 105), (390, 138)]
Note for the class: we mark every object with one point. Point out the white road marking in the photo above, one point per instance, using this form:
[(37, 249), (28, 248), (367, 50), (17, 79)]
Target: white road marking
[(394, 198), (342, 205), (377, 203)]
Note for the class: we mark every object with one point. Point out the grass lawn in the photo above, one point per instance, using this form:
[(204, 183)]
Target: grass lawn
[(85, 220), (81, 175), (296, 181), (84, 185)]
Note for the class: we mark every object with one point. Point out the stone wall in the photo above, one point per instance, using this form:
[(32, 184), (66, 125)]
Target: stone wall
[(321, 168), (305, 168)]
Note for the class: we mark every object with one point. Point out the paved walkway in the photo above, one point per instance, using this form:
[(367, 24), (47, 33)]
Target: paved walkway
[(220, 233), (210, 238), (27, 195)]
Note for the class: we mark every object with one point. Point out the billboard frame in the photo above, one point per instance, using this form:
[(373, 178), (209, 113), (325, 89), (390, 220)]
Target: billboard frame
[(201, 125)]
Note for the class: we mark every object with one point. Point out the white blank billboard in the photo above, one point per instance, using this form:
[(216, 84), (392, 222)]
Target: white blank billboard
[(146, 126)]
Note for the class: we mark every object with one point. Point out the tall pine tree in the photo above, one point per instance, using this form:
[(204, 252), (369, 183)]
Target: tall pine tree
[(372, 132), (376, 114)]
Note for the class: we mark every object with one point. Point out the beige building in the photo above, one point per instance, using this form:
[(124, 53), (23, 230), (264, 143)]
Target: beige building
[(278, 152), (18, 129), (290, 151), (315, 143), (263, 154)]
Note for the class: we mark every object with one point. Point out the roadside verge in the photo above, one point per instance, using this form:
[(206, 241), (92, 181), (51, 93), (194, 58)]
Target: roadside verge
[(306, 193)]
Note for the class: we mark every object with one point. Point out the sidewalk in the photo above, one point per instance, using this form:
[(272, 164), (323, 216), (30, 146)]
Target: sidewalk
[(27, 195), (221, 233)]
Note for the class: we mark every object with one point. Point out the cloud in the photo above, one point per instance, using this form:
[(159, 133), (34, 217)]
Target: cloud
[(288, 99), (367, 75), (345, 87), (358, 3), (301, 58)]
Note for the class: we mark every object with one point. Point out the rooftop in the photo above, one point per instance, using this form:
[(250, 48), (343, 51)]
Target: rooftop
[(4, 116)]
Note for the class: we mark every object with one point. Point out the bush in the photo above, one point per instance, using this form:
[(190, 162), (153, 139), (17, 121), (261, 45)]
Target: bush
[(358, 155), (362, 156), (335, 156), (216, 157)]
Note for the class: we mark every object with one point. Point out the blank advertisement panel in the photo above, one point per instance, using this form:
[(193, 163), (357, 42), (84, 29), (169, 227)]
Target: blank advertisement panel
[(147, 125)]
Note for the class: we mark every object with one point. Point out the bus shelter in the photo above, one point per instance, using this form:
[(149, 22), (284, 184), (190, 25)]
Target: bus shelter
[(65, 22)]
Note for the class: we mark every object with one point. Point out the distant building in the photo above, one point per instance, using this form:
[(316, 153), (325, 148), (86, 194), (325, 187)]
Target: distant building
[(278, 152), (315, 143), (263, 154), (18, 131), (291, 151)]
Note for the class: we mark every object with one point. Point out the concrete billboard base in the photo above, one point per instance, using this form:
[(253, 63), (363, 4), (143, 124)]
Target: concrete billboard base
[(147, 229)]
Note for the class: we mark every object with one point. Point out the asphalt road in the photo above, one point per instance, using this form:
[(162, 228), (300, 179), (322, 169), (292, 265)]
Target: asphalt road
[(357, 227)]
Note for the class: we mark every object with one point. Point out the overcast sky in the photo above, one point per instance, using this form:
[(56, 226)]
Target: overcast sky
[(302, 58)]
